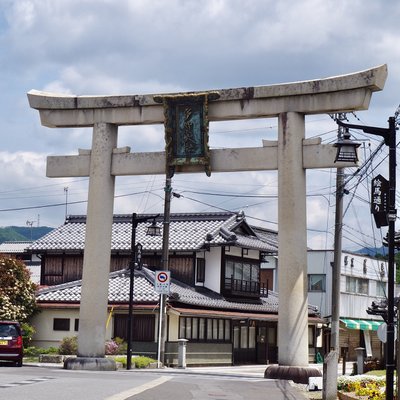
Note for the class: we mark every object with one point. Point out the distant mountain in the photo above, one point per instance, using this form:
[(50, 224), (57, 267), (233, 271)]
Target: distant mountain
[(22, 233), (372, 251)]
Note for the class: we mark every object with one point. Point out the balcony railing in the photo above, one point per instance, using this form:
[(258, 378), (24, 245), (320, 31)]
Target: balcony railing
[(242, 288)]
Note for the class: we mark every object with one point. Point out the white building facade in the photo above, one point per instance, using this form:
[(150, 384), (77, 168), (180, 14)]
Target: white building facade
[(363, 280)]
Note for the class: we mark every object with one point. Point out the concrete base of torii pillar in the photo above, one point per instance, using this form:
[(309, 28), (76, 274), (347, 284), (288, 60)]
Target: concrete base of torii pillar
[(291, 373), (90, 364)]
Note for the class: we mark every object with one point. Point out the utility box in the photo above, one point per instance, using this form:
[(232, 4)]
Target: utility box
[(360, 359), (182, 353)]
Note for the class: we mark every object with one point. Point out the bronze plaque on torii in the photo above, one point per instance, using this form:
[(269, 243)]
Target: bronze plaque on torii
[(186, 131)]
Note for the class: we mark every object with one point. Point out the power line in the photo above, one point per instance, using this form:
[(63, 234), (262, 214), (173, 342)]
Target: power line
[(63, 204)]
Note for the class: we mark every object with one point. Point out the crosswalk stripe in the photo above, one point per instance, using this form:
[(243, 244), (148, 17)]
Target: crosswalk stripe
[(131, 392), (25, 382)]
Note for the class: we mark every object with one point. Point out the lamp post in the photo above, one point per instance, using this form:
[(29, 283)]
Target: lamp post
[(389, 136), (136, 257)]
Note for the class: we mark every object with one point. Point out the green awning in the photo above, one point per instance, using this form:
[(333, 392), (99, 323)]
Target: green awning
[(361, 324)]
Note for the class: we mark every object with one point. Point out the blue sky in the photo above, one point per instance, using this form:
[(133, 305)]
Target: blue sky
[(90, 47)]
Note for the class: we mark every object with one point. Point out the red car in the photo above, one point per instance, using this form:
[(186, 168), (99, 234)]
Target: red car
[(11, 347)]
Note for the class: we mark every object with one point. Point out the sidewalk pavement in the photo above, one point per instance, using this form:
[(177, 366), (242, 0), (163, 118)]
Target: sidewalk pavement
[(249, 371), (253, 371)]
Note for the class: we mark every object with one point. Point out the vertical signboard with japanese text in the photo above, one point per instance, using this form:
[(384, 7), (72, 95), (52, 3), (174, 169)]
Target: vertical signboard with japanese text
[(380, 200)]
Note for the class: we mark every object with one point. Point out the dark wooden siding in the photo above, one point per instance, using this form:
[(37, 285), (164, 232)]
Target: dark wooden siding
[(182, 268), (58, 269), (143, 326), (61, 268), (119, 262), (152, 262)]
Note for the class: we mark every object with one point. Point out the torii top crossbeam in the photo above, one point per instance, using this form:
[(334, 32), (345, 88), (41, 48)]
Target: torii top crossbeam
[(306, 97)]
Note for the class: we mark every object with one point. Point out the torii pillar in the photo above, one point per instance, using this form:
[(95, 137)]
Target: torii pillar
[(291, 155)]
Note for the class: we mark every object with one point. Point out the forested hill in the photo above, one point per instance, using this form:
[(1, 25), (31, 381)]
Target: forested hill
[(22, 233)]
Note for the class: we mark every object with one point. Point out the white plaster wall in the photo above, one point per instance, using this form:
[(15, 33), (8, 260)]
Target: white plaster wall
[(45, 336), (173, 327), (35, 273), (237, 252), (233, 251), (255, 254), (213, 269)]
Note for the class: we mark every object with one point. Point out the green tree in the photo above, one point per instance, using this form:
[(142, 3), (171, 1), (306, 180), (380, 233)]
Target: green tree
[(397, 261), (17, 291)]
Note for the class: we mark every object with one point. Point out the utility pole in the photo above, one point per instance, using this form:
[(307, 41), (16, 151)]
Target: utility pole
[(337, 256), (165, 267), (66, 201), (330, 384)]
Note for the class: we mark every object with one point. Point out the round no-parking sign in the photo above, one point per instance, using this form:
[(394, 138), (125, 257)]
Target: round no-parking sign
[(162, 282)]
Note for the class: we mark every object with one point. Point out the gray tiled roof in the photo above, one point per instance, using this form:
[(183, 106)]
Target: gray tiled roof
[(14, 247), (118, 290), (144, 293), (190, 231)]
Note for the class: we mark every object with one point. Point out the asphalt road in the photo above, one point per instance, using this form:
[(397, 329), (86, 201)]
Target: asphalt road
[(42, 383)]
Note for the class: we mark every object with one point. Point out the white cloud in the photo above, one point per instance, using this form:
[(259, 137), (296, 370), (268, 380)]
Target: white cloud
[(22, 15), (87, 47), (21, 165), (90, 80)]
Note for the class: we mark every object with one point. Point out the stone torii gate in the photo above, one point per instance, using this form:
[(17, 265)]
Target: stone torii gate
[(291, 155)]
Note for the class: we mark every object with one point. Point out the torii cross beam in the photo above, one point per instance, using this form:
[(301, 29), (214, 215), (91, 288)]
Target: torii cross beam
[(291, 155)]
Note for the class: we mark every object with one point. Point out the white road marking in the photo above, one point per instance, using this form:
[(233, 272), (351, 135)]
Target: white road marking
[(131, 392), (25, 382)]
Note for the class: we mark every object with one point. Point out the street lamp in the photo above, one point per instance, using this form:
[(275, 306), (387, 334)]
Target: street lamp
[(136, 258), (346, 148), (389, 136)]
